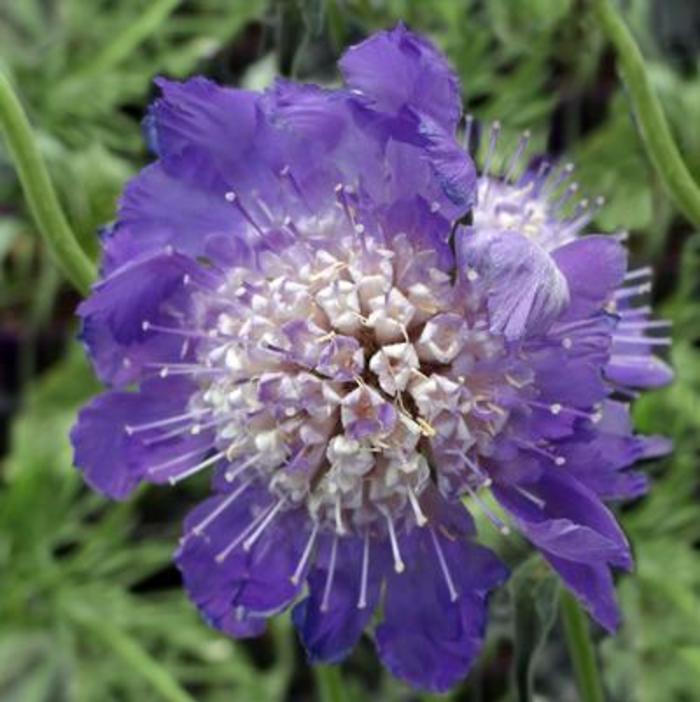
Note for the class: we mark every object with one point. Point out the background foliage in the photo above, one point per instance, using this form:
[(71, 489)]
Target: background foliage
[(90, 609)]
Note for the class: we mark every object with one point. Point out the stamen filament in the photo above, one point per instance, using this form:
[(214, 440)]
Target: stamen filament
[(305, 555), (362, 601), (399, 565), (331, 574), (223, 555), (454, 595), (500, 525), (220, 509), (135, 428), (250, 541), (173, 479), (421, 519)]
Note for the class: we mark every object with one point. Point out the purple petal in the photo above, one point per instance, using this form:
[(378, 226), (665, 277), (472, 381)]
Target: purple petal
[(580, 386), (113, 316), (526, 291), (221, 576), (183, 206), (114, 461), (429, 637), (600, 459), (593, 586), (639, 371), (397, 68), (594, 267), (329, 635), (202, 113), (574, 531)]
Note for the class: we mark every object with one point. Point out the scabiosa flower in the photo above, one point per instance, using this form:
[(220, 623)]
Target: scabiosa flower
[(290, 299)]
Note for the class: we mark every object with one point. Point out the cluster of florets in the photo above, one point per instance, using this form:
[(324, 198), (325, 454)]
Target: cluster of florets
[(294, 291)]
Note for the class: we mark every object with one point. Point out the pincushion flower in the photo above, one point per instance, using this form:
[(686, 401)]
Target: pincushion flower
[(290, 299)]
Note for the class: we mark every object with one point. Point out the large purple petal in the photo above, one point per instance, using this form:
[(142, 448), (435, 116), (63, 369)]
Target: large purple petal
[(574, 531), (600, 459), (594, 267), (146, 290), (114, 459), (397, 68), (592, 583), (526, 291), (200, 112), (228, 568), (329, 634), (431, 636)]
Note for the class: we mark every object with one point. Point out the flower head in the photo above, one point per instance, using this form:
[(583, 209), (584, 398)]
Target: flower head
[(293, 292)]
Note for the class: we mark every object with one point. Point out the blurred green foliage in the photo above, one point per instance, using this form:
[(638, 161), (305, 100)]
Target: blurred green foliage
[(90, 610)]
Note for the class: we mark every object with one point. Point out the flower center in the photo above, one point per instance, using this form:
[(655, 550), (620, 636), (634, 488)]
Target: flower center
[(349, 377)]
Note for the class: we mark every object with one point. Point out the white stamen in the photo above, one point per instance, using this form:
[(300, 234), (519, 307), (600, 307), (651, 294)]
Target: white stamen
[(173, 479), (223, 555), (305, 555), (645, 340), (533, 498), (624, 293), (650, 324), (339, 526), (421, 519), (362, 601), (517, 156), (230, 476), (329, 578), (220, 509), (148, 326), (399, 566), (178, 459), (250, 541), (500, 525), (135, 428), (644, 272), (493, 140), (443, 566), (466, 139)]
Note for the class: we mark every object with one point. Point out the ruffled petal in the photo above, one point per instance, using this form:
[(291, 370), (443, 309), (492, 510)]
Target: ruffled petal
[(330, 633), (396, 68), (572, 528), (639, 371), (594, 267), (387, 157), (526, 290), (593, 585), (200, 112), (601, 459), (151, 289), (181, 204), (114, 458), (435, 614), (236, 563)]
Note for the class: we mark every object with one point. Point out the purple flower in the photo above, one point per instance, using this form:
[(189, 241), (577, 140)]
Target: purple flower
[(290, 291)]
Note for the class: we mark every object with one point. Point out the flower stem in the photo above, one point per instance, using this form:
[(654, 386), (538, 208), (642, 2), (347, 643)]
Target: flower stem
[(581, 649), (39, 192), (654, 128), (329, 683)]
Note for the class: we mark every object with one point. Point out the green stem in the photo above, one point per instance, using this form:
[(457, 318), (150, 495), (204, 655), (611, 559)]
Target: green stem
[(581, 649), (654, 128), (329, 683), (39, 192), (136, 658)]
